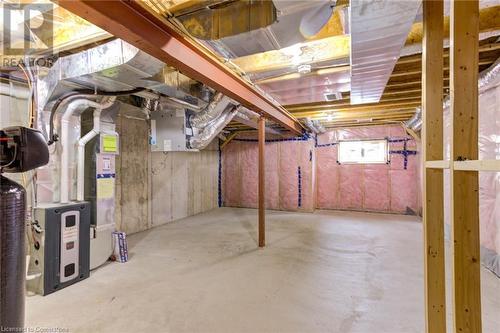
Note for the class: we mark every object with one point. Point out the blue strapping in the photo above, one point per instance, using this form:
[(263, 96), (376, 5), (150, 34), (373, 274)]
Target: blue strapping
[(405, 152), (299, 176), (219, 184), (327, 144), (304, 137)]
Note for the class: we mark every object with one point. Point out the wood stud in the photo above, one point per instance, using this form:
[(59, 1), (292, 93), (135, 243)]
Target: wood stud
[(465, 184), (432, 146)]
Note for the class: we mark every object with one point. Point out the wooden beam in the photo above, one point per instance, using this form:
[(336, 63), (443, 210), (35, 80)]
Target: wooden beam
[(437, 164), (481, 165), (432, 145), (145, 29), (465, 184), (262, 182)]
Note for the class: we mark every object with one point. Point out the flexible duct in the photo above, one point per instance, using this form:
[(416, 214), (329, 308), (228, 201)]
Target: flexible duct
[(12, 255), (320, 128), (311, 126), (73, 106), (214, 109), (485, 78), (210, 131)]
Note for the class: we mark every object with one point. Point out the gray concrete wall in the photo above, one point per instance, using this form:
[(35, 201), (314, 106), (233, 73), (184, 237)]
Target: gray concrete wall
[(156, 188), (183, 184)]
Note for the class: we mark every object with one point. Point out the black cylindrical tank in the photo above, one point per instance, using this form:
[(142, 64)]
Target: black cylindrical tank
[(12, 253)]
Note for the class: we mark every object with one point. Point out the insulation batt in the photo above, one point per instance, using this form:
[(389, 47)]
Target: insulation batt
[(371, 187)]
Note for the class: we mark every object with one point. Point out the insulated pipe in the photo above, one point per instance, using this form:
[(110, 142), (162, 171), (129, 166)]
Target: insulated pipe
[(74, 105)]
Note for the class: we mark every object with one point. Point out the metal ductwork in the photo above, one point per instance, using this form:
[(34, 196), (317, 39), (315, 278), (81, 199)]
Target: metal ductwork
[(213, 128), (314, 126), (213, 110), (268, 25), (321, 129), (415, 122), (113, 66), (208, 123), (486, 78), (378, 33)]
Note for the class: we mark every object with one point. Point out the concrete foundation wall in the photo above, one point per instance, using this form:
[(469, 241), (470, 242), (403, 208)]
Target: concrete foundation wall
[(183, 184), (156, 188)]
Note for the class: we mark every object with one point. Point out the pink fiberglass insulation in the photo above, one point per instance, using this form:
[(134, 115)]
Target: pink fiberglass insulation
[(328, 172), (376, 180), (231, 179), (249, 166), (289, 174), (288, 177), (292, 164), (272, 176), (350, 187), (368, 187)]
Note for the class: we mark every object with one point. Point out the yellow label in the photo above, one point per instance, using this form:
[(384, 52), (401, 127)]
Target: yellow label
[(105, 188), (109, 144)]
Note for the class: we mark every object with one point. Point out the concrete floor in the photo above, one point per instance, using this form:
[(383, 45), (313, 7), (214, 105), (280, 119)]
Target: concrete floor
[(322, 272)]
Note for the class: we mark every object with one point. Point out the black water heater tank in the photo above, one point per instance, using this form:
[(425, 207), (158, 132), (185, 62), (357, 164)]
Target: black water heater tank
[(13, 257)]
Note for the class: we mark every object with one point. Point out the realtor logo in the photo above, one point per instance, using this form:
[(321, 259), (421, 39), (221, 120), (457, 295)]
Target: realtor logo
[(27, 28)]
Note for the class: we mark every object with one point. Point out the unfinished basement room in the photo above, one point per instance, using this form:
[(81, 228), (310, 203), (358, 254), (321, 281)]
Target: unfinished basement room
[(250, 166)]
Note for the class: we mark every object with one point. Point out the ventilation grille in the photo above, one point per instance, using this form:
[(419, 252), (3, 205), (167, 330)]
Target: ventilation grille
[(333, 96)]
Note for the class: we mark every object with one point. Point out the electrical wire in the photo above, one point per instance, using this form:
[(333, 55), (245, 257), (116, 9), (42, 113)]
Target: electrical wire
[(31, 107)]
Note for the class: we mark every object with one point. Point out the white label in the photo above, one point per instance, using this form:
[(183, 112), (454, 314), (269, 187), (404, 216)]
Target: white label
[(106, 164), (167, 145)]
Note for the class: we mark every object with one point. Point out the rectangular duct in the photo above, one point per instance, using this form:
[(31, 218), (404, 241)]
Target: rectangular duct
[(378, 33)]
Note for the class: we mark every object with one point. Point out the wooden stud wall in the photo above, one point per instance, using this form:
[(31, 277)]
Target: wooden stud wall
[(464, 167), (432, 146), (465, 184)]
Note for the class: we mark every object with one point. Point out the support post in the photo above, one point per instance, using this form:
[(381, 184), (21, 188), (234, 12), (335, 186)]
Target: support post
[(464, 32), (262, 181), (432, 145)]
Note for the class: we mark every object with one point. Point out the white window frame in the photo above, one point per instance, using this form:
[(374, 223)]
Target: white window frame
[(342, 160)]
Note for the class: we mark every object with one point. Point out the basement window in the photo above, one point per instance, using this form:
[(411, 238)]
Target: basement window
[(363, 152)]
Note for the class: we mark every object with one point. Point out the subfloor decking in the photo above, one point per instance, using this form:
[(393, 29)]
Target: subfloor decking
[(322, 272)]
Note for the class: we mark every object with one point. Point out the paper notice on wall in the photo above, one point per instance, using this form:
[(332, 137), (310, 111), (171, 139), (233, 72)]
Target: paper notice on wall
[(110, 144), (105, 188)]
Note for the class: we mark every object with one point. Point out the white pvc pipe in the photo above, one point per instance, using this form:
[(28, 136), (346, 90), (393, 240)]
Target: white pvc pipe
[(80, 103), (81, 154)]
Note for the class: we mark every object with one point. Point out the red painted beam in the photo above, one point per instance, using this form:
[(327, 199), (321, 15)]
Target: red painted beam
[(136, 25)]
